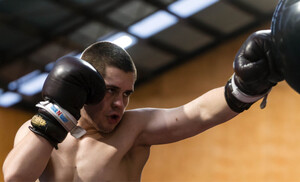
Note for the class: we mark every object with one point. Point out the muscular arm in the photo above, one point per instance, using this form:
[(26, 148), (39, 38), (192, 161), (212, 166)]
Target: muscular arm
[(71, 83), (253, 78), (29, 157), (171, 125)]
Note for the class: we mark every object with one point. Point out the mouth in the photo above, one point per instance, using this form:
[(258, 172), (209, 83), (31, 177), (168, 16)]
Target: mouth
[(113, 118)]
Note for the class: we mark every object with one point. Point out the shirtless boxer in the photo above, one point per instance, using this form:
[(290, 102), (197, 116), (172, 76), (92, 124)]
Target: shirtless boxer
[(117, 142)]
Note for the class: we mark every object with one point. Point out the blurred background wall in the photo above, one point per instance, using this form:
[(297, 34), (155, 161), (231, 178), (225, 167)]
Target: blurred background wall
[(258, 145)]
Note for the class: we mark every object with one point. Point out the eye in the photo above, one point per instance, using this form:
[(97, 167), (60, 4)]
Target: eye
[(127, 94), (110, 90)]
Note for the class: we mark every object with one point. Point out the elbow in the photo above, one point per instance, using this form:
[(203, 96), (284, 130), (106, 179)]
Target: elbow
[(11, 178), (15, 177), (8, 177), (11, 175)]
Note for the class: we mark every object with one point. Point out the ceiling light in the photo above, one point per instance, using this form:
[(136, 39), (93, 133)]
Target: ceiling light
[(33, 85), (122, 39), (186, 8), (8, 99), (153, 24), (15, 84), (49, 66)]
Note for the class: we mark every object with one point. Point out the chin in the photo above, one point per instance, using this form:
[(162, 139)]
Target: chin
[(106, 130), (109, 128)]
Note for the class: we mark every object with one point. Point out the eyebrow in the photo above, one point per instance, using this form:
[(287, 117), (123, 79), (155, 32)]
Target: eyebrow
[(118, 88)]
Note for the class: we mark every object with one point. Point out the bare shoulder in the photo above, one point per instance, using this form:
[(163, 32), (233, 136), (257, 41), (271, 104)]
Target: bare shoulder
[(142, 115), (135, 121), (138, 118), (22, 131)]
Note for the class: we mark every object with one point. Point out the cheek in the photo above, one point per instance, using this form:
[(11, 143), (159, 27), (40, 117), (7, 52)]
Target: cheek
[(94, 110), (105, 102), (126, 102)]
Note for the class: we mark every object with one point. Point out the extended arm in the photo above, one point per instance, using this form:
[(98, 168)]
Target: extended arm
[(251, 82), (171, 125)]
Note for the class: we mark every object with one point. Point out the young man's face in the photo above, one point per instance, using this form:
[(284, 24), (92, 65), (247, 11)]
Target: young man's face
[(107, 114)]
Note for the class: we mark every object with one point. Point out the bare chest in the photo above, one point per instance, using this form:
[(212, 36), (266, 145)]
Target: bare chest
[(93, 160)]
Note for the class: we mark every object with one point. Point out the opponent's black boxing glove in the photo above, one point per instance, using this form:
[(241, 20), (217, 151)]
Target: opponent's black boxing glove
[(71, 84), (255, 72)]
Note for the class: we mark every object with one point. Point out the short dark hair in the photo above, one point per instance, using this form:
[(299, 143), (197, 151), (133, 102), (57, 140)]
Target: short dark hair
[(102, 54)]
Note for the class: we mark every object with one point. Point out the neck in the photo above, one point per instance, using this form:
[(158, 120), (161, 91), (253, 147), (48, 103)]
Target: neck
[(91, 129)]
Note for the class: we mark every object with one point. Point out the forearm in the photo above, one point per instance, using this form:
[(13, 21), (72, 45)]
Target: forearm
[(209, 110), (171, 125), (28, 159)]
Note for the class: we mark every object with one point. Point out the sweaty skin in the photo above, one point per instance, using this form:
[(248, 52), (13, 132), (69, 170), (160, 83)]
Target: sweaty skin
[(117, 144)]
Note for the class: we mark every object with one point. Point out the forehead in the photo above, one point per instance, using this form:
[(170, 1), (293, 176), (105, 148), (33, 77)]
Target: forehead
[(115, 76)]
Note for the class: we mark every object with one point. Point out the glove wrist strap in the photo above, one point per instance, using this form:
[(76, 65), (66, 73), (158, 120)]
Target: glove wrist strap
[(63, 117), (243, 97)]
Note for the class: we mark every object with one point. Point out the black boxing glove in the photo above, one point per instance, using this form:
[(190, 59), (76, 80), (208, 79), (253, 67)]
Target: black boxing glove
[(255, 72), (71, 84)]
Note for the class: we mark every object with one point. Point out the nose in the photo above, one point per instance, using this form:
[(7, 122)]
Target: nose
[(118, 102)]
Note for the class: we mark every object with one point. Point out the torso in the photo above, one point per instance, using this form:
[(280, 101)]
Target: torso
[(112, 158)]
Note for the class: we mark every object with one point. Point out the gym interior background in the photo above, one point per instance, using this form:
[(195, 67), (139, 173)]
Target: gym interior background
[(185, 53)]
